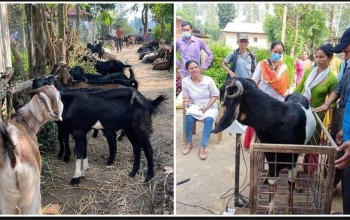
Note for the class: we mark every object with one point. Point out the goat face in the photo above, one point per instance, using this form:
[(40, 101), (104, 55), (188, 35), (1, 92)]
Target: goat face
[(230, 98), (46, 103)]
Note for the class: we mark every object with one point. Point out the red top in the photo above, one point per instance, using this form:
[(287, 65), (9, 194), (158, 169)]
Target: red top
[(119, 33)]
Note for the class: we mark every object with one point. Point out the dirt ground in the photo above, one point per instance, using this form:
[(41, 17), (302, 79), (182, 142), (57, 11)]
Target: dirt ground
[(212, 181), (109, 190)]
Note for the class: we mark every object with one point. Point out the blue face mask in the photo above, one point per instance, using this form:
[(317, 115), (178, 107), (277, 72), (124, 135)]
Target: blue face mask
[(276, 56), (186, 34)]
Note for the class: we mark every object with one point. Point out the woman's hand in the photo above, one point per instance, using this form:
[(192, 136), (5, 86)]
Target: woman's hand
[(321, 108)]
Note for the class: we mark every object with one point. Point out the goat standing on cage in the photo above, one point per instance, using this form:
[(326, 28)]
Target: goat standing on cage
[(274, 121)]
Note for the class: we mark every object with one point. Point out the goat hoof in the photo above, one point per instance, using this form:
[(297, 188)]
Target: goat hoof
[(66, 160), (75, 181), (148, 178), (110, 162), (132, 174)]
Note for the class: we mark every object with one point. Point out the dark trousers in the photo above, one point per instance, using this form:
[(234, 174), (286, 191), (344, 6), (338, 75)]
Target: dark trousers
[(345, 189), (337, 125), (119, 44)]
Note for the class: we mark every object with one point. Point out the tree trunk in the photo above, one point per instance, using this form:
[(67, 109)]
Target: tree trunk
[(77, 19), (49, 40), (296, 34), (163, 28), (284, 23), (39, 41), (144, 18), (30, 42), (18, 63), (61, 53)]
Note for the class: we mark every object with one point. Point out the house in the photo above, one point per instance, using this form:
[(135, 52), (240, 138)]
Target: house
[(87, 25), (84, 16), (257, 36)]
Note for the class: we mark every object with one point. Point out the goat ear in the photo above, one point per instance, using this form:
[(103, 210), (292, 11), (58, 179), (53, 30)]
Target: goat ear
[(35, 107)]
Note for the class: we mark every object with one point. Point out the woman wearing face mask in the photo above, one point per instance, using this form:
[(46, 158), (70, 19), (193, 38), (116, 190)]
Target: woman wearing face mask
[(271, 74)]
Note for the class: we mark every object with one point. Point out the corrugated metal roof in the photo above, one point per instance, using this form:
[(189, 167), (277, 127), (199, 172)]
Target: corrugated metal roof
[(244, 28)]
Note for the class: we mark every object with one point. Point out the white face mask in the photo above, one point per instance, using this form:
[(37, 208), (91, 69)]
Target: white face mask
[(186, 35)]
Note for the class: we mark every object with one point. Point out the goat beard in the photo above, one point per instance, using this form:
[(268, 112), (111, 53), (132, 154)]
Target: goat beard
[(229, 115)]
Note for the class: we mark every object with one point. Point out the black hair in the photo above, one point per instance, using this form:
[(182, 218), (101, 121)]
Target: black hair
[(189, 62), (185, 23), (327, 49), (275, 43)]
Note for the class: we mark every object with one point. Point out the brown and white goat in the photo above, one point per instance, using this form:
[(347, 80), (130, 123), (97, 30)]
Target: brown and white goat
[(20, 160)]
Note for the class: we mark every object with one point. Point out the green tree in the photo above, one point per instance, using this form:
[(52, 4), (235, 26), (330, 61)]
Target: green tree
[(163, 15), (226, 13)]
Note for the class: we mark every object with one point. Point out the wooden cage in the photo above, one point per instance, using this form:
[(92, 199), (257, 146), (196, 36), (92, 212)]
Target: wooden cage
[(316, 177)]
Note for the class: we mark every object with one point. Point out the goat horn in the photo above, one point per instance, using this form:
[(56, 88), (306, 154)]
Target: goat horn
[(239, 92)]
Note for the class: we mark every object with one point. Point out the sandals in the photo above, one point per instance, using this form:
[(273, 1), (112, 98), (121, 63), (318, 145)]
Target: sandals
[(203, 156), (187, 149)]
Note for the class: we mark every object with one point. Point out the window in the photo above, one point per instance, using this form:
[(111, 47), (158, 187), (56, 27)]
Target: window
[(255, 39)]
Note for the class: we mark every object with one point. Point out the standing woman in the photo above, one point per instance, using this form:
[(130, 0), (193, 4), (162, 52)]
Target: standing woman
[(271, 76), (316, 84), (199, 94)]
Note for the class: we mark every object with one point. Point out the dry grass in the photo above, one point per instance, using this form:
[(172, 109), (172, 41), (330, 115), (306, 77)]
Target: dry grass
[(109, 190)]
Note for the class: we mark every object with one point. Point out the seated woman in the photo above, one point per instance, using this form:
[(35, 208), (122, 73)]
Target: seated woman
[(199, 94)]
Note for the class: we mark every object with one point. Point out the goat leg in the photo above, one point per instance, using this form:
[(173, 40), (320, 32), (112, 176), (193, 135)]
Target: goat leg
[(111, 135)]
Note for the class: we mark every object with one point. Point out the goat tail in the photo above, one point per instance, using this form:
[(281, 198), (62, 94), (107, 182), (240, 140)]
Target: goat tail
[(8, 150), (157, 105)]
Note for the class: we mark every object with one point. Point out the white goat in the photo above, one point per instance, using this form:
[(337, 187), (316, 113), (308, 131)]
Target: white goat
[(20, 160)]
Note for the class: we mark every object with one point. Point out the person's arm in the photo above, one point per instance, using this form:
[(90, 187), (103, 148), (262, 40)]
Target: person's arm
[(210, 103), (325, 106), (225, 67), (185, 95), (210, 56), (344, 161), (214, 95), (300, 86), (257, 73)]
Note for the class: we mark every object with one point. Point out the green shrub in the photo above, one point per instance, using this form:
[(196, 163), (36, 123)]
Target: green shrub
[(220, 51)]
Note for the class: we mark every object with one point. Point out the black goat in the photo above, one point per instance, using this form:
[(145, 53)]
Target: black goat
[(124, 108), (275, 122), (97, 48), (78, 73), (113, 66), (111, 110), (63, 136)]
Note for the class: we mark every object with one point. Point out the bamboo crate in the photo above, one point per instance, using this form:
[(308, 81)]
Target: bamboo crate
[(316, 183)]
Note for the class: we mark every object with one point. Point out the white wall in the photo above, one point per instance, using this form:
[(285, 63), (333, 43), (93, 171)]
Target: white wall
[(231, 40)]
